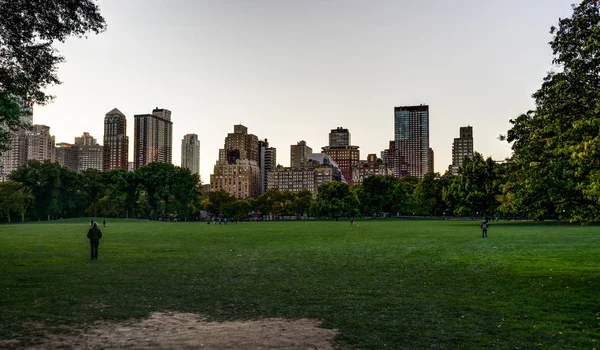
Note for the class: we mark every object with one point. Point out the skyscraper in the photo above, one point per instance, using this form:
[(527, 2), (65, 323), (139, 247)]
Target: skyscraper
[(237, 170), (40, 144), (190, 153), (67, 155), (431, 160), (153, 137), (89, 153), (342, 153), (461, 148), (16, 155), (267, 161), (299, 154), (116, 143), (411, 136)]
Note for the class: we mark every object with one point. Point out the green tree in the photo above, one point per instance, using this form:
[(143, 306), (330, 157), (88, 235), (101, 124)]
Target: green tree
[(336, 199), (556, 163), (14, 198), (380, 194), (428, 195), (302, 202), (216, 201), (43, 180), (94, 187), (475, 190), (28, 60)]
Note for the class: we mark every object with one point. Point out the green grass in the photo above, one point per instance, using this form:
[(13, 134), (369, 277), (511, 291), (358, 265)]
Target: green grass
[(382, 284)]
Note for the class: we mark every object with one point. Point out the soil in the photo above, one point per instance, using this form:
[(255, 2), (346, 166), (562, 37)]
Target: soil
[(190, 331)]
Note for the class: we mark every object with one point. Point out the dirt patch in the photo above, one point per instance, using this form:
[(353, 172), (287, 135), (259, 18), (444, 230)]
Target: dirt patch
[(190, 331)]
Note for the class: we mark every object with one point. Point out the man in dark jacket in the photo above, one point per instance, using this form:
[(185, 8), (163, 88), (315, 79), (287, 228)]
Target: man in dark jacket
[(94, 234), (484, 226)]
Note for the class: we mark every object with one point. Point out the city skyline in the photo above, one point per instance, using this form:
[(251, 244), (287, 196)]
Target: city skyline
[(259, 65)]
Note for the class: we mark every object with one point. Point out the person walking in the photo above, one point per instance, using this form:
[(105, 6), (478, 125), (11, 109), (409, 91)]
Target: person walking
[(484, 226), (94, 234), (104, 222)]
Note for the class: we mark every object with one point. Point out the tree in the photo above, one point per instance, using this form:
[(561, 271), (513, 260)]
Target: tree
[(336, 199), (216, 201), (555, 168), (379, 194), (43, 179), (474, 191), (302, 202), (28, 62)]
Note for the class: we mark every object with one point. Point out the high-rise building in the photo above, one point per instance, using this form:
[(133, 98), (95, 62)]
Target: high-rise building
[(153, 137), (267, 161), (299, 154), (431, 160), (116, 142), (40, 144), (370, 167), (190, 153), (319, 169), (237, 170), (89, 153), (461, 148), (411, 136), (16, 155), (342, 153), (67, 156)]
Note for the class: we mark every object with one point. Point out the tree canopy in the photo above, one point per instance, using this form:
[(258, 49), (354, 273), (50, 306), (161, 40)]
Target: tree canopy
[(28, 60)]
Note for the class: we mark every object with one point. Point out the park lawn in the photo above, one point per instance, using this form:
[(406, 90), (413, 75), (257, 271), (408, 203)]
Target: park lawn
[(381, 283)]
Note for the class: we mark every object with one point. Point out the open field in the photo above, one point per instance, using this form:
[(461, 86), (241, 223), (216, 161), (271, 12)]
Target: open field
[(381, 284)]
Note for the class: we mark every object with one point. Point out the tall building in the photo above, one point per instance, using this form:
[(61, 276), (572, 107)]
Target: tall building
[(16, 155), (411, 136), (319, 169), (299, 154), (237, 170), (267, 161), (40, 144), (342, 153), (461, 148), (370, 167), (190, 153), (67, 156), (116, 143), (153, 137), (431, 160), (89, 153)]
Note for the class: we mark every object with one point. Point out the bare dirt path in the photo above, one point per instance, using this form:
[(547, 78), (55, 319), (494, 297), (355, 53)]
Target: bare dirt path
[(190, 331)]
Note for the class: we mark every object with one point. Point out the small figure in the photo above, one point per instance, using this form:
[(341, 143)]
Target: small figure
[(104, 222), (484, 226), (92, 223), (94, 234), (352, 222)]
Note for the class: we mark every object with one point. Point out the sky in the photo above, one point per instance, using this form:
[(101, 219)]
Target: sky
[(294, 70)]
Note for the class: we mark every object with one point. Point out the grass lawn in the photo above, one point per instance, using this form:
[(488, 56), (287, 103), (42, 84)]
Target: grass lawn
[(382, 284)]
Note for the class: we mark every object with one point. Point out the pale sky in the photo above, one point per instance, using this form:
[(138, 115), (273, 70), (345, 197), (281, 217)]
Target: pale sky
[(293, 70)]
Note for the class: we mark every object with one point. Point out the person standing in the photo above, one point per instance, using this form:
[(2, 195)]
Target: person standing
[(484, 226), (94, 234), (104, 222)]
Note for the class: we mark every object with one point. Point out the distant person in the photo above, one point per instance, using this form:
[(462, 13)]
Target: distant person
[(104, 223), (94, 234), (92, 223), (484, 226), (352, 222)]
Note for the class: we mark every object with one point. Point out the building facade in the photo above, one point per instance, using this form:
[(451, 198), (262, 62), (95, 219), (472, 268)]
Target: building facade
[(190, 153), (116, 142), (40, 144), (342, 153), (318, 170), (16, 155), (411, 136), (431, 160), (67, 156), (370, 167), (237, 170), (299, 154), (462, 147), (89, 153), (153, 138), (267, 161)]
